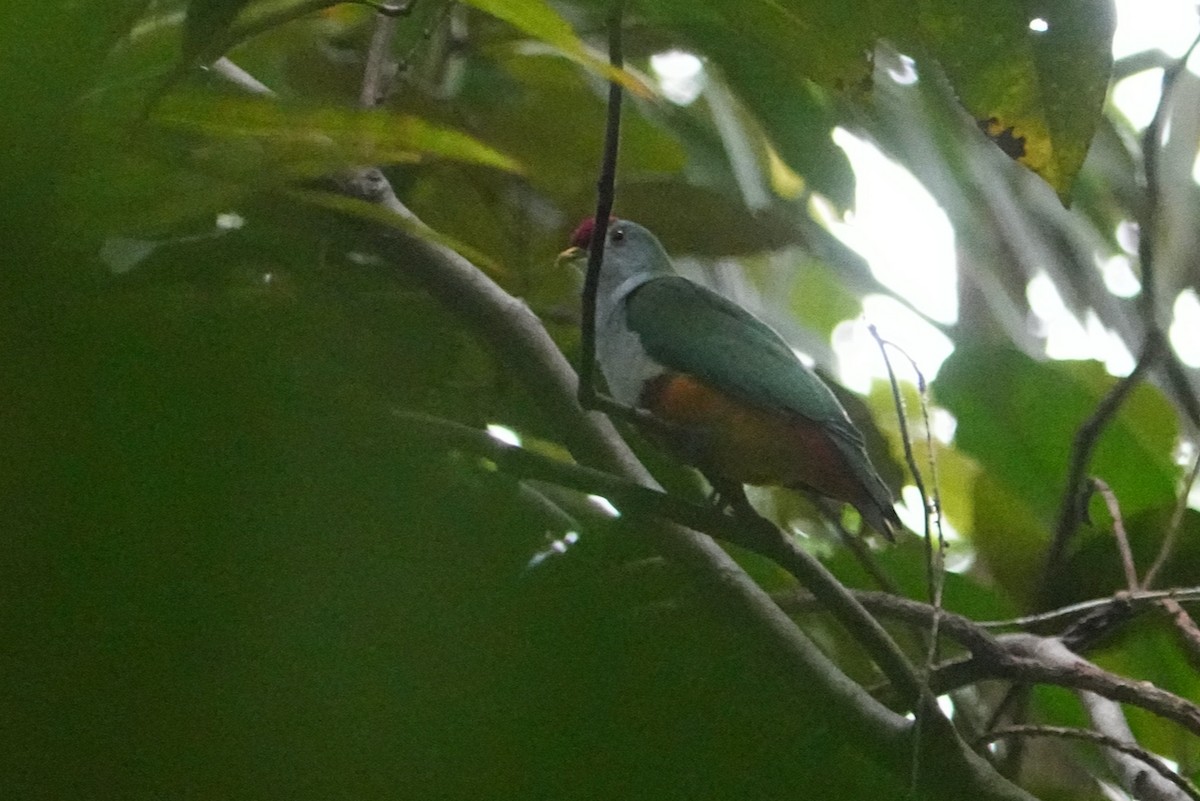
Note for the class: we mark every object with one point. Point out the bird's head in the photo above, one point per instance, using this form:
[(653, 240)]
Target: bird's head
[(629, 249)]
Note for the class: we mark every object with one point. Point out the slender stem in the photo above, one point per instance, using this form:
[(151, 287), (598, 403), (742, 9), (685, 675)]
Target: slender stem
[(1071, 507), (604, 204), (1114, 509), (1172, 535), (1138, 599), (931, 507)]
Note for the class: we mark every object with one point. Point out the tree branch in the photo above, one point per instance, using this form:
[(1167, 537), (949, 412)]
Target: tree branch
[(1114, 510), (1023, 658), (1136, 601), (1071, 508), (753, 533), (1136, 787), (1026, 662), (1109, 720)]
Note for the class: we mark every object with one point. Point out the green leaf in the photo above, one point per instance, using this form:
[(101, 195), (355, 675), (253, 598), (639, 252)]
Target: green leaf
[(538, 19), (820, 299), (1038, 95), (205, 21), (692, 220), (772, 53), (1009, 537), (540, 110), (1017, 417), (315, 141)]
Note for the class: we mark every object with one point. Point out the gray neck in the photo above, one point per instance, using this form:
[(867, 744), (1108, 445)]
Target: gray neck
[(622, 359)]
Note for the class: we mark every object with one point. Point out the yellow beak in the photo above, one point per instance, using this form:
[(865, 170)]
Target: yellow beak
[(570, 254)]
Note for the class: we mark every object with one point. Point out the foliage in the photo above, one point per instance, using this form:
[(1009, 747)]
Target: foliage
[(230, 571)]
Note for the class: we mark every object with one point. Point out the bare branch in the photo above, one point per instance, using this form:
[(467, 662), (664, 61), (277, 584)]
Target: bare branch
[(1028, 661), (1136, 600), (1114, 509), (1109, 720), (1137, 787), (1023, 658)]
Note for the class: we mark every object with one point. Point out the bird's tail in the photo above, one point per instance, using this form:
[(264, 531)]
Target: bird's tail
[(882, 519)]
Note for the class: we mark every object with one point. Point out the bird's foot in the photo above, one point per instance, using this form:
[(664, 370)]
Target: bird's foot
[(730, 495)]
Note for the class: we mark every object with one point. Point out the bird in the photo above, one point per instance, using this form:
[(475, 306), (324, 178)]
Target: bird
[(725, 392)]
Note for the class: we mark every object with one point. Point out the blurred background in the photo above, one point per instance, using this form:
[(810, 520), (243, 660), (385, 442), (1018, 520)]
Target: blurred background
[(232, 575)]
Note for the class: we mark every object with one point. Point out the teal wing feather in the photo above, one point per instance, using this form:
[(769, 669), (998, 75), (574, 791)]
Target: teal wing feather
[(693, 330)]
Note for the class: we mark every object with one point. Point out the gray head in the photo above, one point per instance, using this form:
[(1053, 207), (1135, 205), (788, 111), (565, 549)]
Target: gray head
[(630, 251)]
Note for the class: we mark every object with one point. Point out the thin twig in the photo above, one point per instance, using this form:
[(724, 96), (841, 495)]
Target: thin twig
[(1185, 625), (933, 564), (1139, 600), (1090, 736), (909, 458), (934, 558), (1071, 508), (604, 205), (1114, 509), (1172, 536)]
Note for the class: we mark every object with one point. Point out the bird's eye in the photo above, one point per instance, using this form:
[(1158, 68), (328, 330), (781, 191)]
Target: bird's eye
[(618, 235)]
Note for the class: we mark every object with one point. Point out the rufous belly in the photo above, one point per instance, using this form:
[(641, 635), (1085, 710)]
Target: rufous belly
[(726, 436)]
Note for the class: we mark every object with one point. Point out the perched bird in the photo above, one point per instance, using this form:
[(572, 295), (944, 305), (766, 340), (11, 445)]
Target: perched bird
[(733, 399)]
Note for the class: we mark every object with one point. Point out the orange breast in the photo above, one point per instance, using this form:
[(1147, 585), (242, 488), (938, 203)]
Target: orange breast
[(749, 444)]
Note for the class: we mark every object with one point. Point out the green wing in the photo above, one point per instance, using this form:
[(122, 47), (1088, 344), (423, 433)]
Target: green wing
[(694, 330)]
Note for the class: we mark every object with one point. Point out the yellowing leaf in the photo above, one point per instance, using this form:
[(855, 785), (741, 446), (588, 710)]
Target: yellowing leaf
[(1034, 76), (539, 20), (313, 140)]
